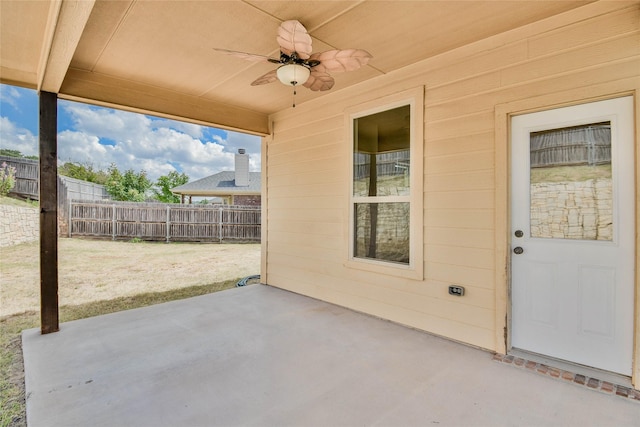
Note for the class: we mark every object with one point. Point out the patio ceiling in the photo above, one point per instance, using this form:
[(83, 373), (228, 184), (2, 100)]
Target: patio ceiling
[(157, 56)]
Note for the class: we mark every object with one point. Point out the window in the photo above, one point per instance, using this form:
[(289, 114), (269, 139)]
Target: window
[(386, 190), (381, 185)]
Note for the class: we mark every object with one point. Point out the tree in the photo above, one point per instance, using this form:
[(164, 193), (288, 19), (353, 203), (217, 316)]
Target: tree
[(164, 185), (15, 153), (84, 172), (130, 186)]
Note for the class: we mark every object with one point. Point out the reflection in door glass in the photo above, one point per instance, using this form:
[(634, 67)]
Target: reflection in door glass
[(571, 189)]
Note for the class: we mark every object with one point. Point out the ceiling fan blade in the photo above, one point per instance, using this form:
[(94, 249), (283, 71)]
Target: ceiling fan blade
[(342, 60), (319, 81), (270, 77), (248, 56), (293, 37)]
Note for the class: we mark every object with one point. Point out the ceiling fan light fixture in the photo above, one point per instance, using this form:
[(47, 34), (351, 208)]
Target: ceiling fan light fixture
[(293, 74), (299, 65)]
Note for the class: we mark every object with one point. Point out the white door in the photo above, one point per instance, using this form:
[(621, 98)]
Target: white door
[(572, 233)]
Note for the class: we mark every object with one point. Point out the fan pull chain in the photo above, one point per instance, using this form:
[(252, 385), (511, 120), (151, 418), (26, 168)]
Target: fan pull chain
[(294, 95)]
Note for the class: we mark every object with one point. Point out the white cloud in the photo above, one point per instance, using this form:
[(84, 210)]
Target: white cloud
[(101, 136), (13, 137), (188, 128), (106, 123), (83, 148), (138, 142), (10, 95)]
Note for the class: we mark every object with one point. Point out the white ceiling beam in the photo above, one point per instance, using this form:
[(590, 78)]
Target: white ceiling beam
[(65, 24)]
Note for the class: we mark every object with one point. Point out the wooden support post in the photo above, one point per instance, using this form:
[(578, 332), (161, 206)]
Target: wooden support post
[(48, 143)]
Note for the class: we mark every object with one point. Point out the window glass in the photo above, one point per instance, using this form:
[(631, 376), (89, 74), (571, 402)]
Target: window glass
[(381, 159), (382, 231), (381, 185), (571, 187)]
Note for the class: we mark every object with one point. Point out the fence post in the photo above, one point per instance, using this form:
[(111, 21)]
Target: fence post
[(168, 222), (69, 217), (220, 224), (113, 221)]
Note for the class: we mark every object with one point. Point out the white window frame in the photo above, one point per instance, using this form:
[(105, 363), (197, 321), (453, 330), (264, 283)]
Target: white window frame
[(414, 98)]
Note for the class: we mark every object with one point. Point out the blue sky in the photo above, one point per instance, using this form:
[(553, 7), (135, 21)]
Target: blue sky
[(100, 136)]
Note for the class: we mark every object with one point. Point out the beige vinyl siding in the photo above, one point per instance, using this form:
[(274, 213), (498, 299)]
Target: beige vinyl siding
[(592, 51)]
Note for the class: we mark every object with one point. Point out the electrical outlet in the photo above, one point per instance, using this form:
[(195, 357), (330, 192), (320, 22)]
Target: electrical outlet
[(456, 291)]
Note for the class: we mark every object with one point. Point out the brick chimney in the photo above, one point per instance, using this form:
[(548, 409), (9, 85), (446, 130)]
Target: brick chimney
[(242, 168)]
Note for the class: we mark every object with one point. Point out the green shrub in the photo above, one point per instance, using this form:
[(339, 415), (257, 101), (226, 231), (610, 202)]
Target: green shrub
[(7, 178)]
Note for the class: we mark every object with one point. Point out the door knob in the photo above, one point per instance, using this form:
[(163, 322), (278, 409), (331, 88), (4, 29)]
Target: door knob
[(518, 250)]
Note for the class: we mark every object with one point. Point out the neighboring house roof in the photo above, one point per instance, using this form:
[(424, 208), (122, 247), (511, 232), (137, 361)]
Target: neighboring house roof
[(221, 184)]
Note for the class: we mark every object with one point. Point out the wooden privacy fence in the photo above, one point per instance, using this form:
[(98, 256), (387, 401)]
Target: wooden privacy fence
[(27, 184), (160, 221), (75, 189), (27, 172)]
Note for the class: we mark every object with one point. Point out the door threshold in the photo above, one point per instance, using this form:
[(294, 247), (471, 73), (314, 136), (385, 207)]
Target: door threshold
[(587, 371)]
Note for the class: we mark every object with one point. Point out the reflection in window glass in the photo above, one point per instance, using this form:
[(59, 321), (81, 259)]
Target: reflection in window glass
[(381, 185), (381, 161), (382, 231), (571, 185), (383, 174)]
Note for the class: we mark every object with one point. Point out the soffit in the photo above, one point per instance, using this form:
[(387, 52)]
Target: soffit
[(19, 61), (158, 55)]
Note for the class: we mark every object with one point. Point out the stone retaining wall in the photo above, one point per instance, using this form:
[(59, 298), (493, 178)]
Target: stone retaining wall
[(572, 210), (18, 225)]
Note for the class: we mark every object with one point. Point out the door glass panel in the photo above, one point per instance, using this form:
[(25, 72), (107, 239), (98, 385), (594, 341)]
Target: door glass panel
[(571, 185)]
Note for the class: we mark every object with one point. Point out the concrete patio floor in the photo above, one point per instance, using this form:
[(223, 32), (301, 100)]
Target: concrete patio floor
[(262, 356)]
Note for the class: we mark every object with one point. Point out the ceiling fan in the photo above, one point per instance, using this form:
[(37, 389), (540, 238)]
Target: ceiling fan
[(298, 65)]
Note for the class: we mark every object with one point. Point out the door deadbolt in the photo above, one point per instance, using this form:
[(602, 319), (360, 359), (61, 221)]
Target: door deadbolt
[(518, 250), (519, 233)]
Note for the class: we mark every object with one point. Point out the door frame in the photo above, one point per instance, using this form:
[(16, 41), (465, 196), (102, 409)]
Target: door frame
[(503, 115)]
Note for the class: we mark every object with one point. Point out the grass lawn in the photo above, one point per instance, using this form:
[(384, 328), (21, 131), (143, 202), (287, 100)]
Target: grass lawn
[(99, 277)]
